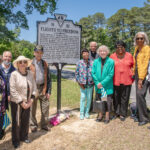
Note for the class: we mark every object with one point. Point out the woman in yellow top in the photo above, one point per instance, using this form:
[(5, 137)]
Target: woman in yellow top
[(141, 60)]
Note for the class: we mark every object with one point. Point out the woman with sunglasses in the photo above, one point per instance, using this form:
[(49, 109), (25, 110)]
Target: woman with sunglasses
[(122, 79), (141, 60), (22, 92)]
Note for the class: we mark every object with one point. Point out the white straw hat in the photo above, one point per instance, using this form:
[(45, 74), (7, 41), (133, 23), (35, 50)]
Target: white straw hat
[(21, 58)]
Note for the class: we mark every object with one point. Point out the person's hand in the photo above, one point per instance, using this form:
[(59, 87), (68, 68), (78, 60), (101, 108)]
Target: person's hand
[(99, 86), (30, 101), (25, 105), (82, 86), (140, 84), (47, 96), (8, 98)]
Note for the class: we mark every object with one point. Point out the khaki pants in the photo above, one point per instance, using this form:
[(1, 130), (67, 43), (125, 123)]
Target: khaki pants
[(44, 106)]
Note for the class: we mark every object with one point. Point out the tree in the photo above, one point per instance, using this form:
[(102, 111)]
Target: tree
[(22, 48), (8, 14), (87, 30), (117, 25), (19, 18), (99, 20)]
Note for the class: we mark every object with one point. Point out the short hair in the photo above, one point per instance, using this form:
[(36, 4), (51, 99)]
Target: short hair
[(103, 47), (84, 50), (146, 40), (7, 52), (121, 43), (93, 42)]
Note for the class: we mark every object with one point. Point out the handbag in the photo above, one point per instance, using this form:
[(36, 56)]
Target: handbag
[(100, 102), (6, 121)]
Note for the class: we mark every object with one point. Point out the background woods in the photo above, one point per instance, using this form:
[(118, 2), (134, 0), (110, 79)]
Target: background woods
[(122, 25)]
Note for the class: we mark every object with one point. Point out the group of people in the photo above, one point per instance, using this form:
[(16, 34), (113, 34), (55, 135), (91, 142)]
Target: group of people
[(115, 75), (23, 82)]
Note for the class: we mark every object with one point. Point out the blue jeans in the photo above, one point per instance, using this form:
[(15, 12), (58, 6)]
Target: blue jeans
[(86, 94)]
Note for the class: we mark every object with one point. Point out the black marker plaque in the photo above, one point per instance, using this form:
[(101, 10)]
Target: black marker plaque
[(60, 39)]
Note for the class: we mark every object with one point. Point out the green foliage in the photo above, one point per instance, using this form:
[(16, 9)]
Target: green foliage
[(123, 25), (18, 17), (11, 13), (22, 48)]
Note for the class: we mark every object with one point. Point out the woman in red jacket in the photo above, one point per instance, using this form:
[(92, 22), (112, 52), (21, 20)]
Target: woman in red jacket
[(122, 79)]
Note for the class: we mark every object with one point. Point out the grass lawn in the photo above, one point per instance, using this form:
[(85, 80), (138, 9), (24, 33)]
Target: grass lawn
[(70, 93)]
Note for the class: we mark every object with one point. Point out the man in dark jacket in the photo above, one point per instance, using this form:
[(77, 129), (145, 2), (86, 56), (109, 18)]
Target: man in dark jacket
[(6, 68), (92, 56), (93, 51)]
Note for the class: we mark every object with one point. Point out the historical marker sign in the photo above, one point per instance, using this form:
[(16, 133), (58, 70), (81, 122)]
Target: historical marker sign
[(60, 39)]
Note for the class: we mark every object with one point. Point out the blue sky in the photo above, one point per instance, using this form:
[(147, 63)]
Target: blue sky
[(75, 10)]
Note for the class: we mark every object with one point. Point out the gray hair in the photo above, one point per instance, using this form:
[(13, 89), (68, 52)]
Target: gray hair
[(146, 40), (93, 42), (103, 47), (7, 52)]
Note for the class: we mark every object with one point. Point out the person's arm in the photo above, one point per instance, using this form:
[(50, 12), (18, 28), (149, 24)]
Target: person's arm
[(15, 96), (144, 61), (77, 75), (110, 75), (49, 83), (94, 69), (13, 89), (77, 72)]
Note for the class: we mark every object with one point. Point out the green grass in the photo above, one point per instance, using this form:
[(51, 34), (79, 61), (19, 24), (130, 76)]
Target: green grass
[(70, 93)]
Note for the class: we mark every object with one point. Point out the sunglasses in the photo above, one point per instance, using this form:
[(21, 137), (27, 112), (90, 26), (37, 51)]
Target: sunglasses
[(139, 38), (22, 62)]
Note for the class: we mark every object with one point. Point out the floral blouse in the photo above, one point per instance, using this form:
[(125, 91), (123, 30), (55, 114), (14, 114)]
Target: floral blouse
[(2, 95), (83, 73)]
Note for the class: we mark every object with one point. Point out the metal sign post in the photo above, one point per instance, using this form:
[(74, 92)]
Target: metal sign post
[(59, 67)]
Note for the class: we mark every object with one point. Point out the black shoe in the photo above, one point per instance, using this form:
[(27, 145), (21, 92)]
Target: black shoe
[(122, 118), (114, 117), (46, 129), (2, 135), (16, 146), (99, 119), (106, 121), (142, 123), (26, 141)]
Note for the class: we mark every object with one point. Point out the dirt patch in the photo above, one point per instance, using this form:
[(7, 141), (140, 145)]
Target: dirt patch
[(76, 134)]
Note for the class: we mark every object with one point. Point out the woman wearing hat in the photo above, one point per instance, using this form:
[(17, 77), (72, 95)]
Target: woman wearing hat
[(22, 92)]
